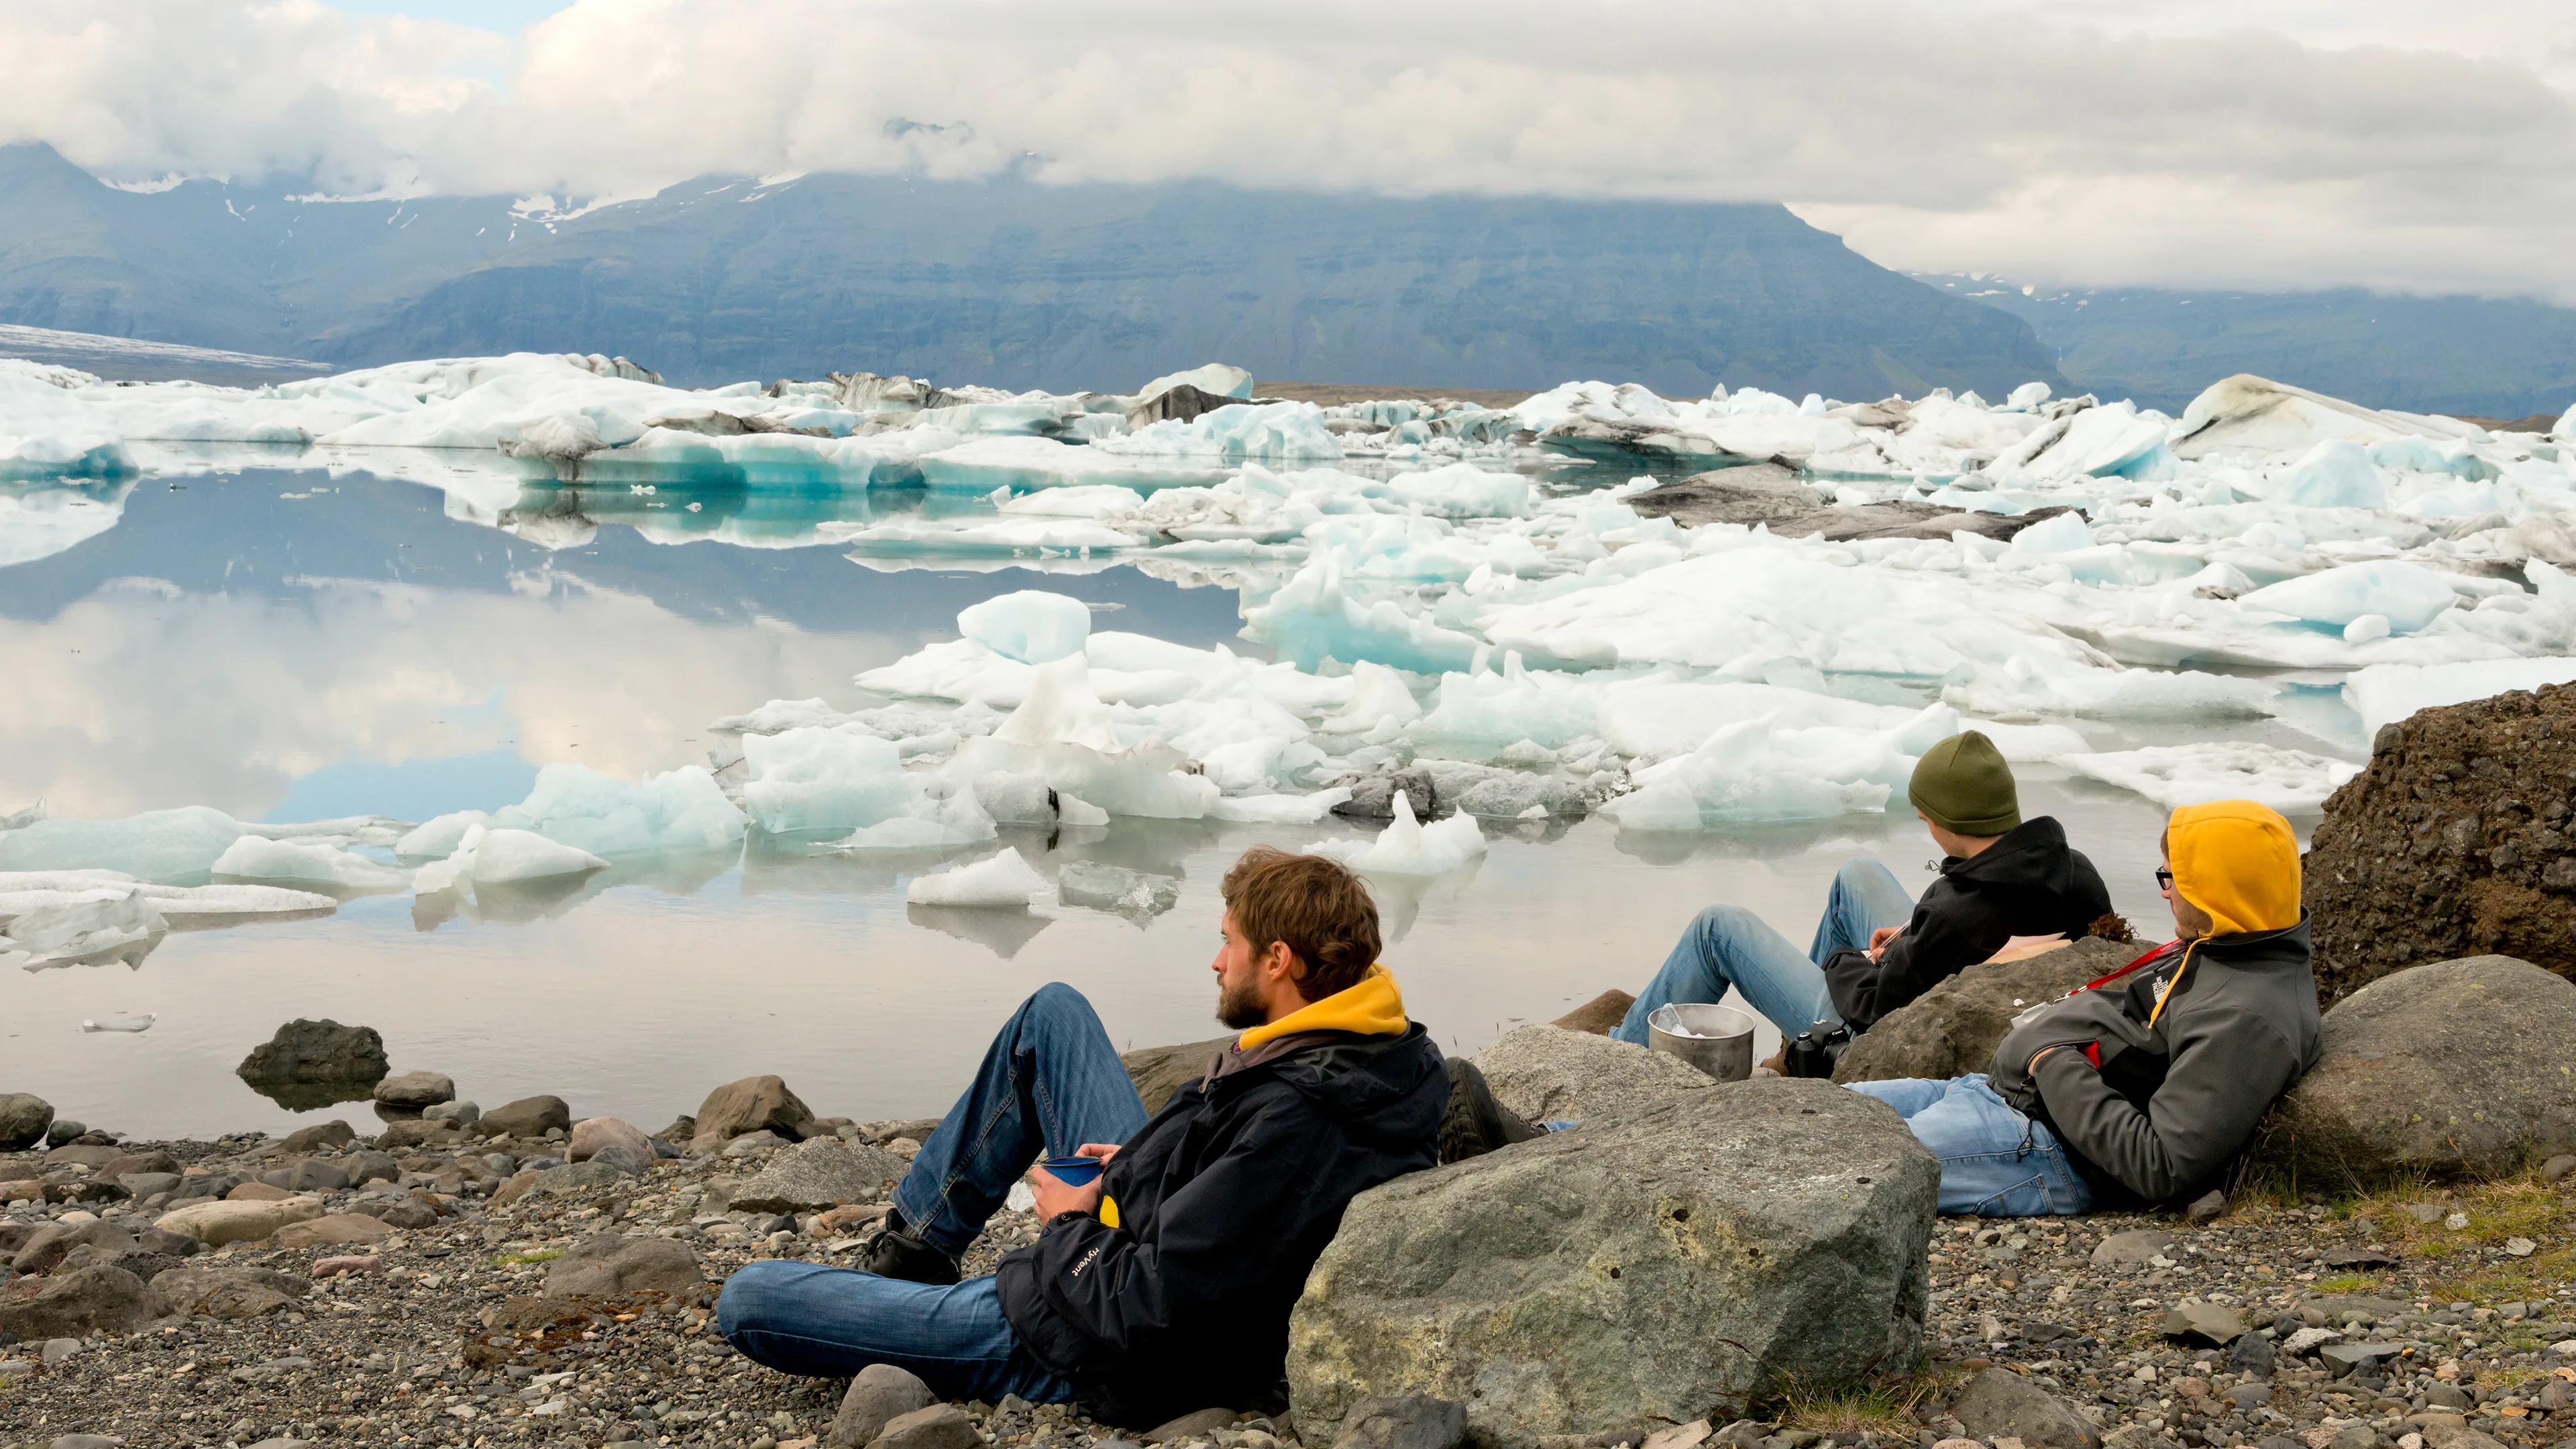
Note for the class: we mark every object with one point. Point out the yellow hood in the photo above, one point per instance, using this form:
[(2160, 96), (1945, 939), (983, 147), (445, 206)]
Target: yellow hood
[(2237, 861), (1372, 1006)]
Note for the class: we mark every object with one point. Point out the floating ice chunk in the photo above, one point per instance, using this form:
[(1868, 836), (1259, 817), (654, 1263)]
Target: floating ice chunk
[(1755, 771), (2115, 439), (253, 858), (2384, 694), (503, 855), (824, 779), (2249, 414), (1097, 502), (1136, 894), (2336, 473), (1460, 490), (958, 820), (1060, 708), (140, 1021), (2028, 744), (1407, 847), (1282, 431), (46, 432), (1021, 464), (2289, 781), (1380, 700), (2059, 533), (1216, 379), (184, 907), (1002, 881), (677, 811), (107, 923), (1073, 810), (1279, 809), (2365, 628), (157, 844), (1657, 719), (1314, 617), (2027, 396), (436, 839), (1031, 626), (2410, 595)]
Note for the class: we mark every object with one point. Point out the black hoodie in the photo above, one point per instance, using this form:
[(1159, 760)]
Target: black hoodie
[(2028, 883), (1225, 1199)]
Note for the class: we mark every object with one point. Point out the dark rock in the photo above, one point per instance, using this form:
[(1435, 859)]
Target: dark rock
[(409, 1213), (86, 1154), (2249, 1397), (1583, 1278), (543, 1177), (2133, 1248), (940, 1426), (1373, 796), (366, 1167), (24, 1117), (1158, 1072), (2344, 1358), (412, 1091), (2453, 1070), (78, 1304), (753, 1104), (1197, 1423), (2001, 1404), (316, 1052), (2557, 1168), (55, 1241), (308, 1174), (879, 1395), (824, 1173), (418, 1134), (609, 1266), (1771, 494), (141, 1264), (2444, 846), (2207, 1208), (64, 1132), (1598, 1015), (526, 1117), (2251, 1354), (1954, 1028), (228, 1292), (2359, 1260), (2210, 1323), (1408, 1422), (119, 1166)]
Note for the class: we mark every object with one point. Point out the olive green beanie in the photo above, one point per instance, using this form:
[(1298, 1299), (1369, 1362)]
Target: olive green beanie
[(1963, 785)]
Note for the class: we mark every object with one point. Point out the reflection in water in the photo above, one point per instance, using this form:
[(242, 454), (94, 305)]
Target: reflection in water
[(1002, 932)]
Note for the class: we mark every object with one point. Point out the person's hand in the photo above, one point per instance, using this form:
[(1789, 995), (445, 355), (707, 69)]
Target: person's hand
[(1879, 938), (1055, 1196), (1102, 1150)]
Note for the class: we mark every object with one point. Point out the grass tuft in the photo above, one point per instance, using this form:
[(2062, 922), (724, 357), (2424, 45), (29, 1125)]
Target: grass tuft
[(1883, 1407)]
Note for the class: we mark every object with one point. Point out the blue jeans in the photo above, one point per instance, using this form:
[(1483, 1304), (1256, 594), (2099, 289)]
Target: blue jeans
[(1995, 1162), (1050, 1082), (1730, 946)]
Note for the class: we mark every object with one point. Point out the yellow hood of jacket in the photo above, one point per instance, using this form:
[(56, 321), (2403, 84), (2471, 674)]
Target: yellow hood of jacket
[(2237, 861), (1371, 1006)]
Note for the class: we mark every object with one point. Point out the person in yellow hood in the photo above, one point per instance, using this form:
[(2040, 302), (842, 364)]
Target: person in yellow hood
[(1174, 1246), (2142, 1087)]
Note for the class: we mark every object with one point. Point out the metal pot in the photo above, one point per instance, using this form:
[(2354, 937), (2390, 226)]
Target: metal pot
[(1716, 1039)]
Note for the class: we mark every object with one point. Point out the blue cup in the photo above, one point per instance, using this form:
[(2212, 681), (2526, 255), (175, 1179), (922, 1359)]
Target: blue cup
[(1073, 1171)]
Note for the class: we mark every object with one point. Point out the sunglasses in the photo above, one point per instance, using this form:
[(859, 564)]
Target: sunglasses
[(2164, 878)]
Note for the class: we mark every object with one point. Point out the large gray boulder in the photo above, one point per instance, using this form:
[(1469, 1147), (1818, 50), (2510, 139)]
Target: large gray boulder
[(1549, 1074), (1954, 1028), (77, 1304), (2000, 1404), (824, 1173), (2459, 1069), (24, 1116), (1664, 1264), (753, 1104), (608, 1266)]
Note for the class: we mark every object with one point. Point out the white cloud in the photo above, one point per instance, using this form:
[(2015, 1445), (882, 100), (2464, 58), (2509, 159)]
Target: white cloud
[(2369, 144)]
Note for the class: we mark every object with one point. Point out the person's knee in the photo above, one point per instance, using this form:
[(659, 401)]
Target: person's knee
[(1723, 920), (1057, 1001), (748, 1298)]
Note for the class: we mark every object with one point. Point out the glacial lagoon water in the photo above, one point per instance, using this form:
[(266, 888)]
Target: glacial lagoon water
[(293, 645)]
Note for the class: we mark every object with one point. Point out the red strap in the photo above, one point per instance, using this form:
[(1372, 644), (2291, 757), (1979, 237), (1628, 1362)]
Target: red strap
[(2093, 1054), (2101, 981)]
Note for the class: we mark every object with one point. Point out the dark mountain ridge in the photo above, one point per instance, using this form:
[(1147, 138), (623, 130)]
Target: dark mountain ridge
[(1003, 282)]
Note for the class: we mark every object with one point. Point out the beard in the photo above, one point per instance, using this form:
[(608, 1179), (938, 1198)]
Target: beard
[(1237, 1008)]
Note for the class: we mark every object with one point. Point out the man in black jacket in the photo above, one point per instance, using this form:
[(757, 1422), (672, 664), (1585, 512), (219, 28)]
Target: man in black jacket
[(1164, 1284), (1874, 950)]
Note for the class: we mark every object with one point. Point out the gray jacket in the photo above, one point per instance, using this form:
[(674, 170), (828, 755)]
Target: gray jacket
[(2155, 1114)]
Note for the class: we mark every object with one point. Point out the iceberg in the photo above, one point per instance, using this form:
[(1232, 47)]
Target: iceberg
[(1031, 626), (1407, 847), (82, 927), (502, 856), (307, 862), (1001, 881), (155, 845), (2407, 596), (2290, 781), (185, 908), (2385, 694), (681, 810), (825, 779)]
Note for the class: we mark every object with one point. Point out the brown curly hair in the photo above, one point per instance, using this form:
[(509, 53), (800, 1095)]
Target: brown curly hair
[(1316, 906)]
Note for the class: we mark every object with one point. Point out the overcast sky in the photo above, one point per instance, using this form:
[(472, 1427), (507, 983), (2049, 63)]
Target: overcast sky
[(2191, 143)]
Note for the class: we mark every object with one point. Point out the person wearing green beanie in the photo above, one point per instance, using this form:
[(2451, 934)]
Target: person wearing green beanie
[(2002, 878)]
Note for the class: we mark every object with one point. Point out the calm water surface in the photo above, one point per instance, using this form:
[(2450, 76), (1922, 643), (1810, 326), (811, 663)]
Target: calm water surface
[(288, 645)]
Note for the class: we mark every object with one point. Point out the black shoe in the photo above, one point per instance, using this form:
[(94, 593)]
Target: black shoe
[(1473, 1123), (891, 1252)]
